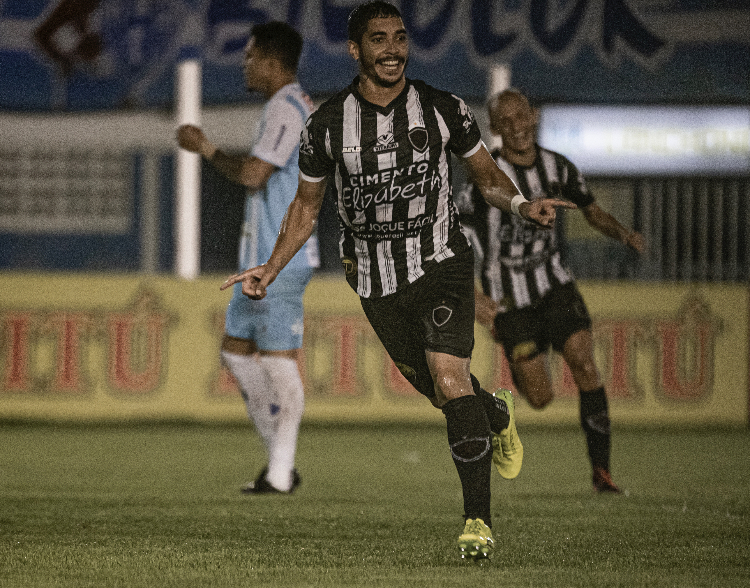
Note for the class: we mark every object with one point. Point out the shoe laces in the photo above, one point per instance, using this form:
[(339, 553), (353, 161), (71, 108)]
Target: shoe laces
[(477, 527)]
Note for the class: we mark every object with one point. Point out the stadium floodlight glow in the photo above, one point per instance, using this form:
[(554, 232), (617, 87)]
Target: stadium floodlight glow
[(649, 140)]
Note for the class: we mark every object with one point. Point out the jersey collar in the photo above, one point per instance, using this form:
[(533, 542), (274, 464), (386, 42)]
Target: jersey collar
[(354, 89)]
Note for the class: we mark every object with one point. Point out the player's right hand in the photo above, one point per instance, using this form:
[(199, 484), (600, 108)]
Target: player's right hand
[(190, 137), (254, 282), (543, 211)]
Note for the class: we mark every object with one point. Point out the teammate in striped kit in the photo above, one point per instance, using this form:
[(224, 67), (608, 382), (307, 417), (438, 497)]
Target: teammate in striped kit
[(386, 143), (262, 338), (530, 300)]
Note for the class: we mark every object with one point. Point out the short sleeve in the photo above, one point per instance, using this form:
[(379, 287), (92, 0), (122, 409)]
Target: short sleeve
[(466, 138), (279, 135), (315, 161), (575, 189)]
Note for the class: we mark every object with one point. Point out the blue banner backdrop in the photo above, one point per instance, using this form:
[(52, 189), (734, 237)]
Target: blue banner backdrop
[(104, 54)]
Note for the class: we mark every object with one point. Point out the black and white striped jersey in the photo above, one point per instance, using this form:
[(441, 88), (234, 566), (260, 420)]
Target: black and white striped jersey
[(391, 169), (520, 262)]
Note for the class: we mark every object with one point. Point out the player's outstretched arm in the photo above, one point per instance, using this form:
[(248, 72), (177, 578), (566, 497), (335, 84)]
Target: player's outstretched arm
[(608, 225), (500, 191), (296, 228), (250, 172)]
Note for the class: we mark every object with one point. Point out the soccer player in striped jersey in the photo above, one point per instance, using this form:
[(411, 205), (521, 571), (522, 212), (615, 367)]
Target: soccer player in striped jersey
[(529, 299), (262, 339), (385, 142)]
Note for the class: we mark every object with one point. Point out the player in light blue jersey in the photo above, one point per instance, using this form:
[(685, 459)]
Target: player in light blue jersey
[(263, 337)]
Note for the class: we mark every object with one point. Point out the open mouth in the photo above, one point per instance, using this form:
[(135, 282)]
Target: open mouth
[(392, 65)]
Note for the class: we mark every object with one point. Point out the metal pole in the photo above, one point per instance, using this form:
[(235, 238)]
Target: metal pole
[(188, 173)]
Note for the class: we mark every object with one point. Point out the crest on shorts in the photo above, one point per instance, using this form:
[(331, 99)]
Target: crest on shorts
[(418, 138), (441, 315)]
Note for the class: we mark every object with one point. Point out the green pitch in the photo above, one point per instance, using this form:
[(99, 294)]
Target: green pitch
[(159, 506)]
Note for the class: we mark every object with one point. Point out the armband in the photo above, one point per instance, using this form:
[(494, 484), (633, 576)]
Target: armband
[(518, 199)]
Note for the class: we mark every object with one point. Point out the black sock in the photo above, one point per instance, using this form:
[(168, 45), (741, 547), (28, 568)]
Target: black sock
[(496, 409), (471, 449), (595, 423)]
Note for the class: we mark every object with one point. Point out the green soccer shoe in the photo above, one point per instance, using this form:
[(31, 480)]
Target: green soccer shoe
[(507, 451), (476, 542)]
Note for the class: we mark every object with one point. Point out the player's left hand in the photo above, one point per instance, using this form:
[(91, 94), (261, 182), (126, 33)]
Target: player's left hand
[(543, 211)]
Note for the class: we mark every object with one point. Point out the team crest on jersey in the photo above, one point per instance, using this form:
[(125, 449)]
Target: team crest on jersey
[(419, 139), (385, 143), (350, 266)]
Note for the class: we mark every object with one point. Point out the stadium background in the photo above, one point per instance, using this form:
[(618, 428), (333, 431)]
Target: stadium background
[(95, 326)]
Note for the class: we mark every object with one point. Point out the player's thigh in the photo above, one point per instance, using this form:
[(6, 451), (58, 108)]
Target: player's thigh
[(444, 302), (435, 314), (281, 326), (565, 314), (401, 335), (521, 333), (241, 317), (451, 375)]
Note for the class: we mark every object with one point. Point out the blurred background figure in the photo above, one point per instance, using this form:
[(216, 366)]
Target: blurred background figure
[(263, 337), (530, 300)]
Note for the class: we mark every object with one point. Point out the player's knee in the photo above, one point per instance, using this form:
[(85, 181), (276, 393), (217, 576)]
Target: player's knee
[(538, 401), (585, 374)]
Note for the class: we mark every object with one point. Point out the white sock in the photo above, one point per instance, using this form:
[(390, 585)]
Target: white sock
[(285, 379), (257, 392)]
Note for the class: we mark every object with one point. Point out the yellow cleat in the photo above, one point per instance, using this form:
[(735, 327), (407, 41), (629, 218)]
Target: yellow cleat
[(476, 542), (507, 451)]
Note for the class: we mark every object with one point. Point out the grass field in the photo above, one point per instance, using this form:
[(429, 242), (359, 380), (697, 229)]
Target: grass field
[(152, 506)]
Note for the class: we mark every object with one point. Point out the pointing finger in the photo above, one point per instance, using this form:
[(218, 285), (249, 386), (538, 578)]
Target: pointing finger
[(230, 281)]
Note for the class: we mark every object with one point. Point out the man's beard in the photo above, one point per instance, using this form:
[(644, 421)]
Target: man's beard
[(388, 83)]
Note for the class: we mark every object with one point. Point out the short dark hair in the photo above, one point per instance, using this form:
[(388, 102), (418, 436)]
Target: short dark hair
[(279, 40), (364, 13)]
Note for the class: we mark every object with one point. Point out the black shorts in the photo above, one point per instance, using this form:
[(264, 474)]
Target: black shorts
[(527, 332), (434, 313)]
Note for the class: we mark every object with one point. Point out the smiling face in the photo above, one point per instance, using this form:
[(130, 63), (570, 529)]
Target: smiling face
[(383, 52), (515, 121)]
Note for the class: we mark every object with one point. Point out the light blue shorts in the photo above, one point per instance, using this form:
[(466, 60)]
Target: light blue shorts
[(274, 323)]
